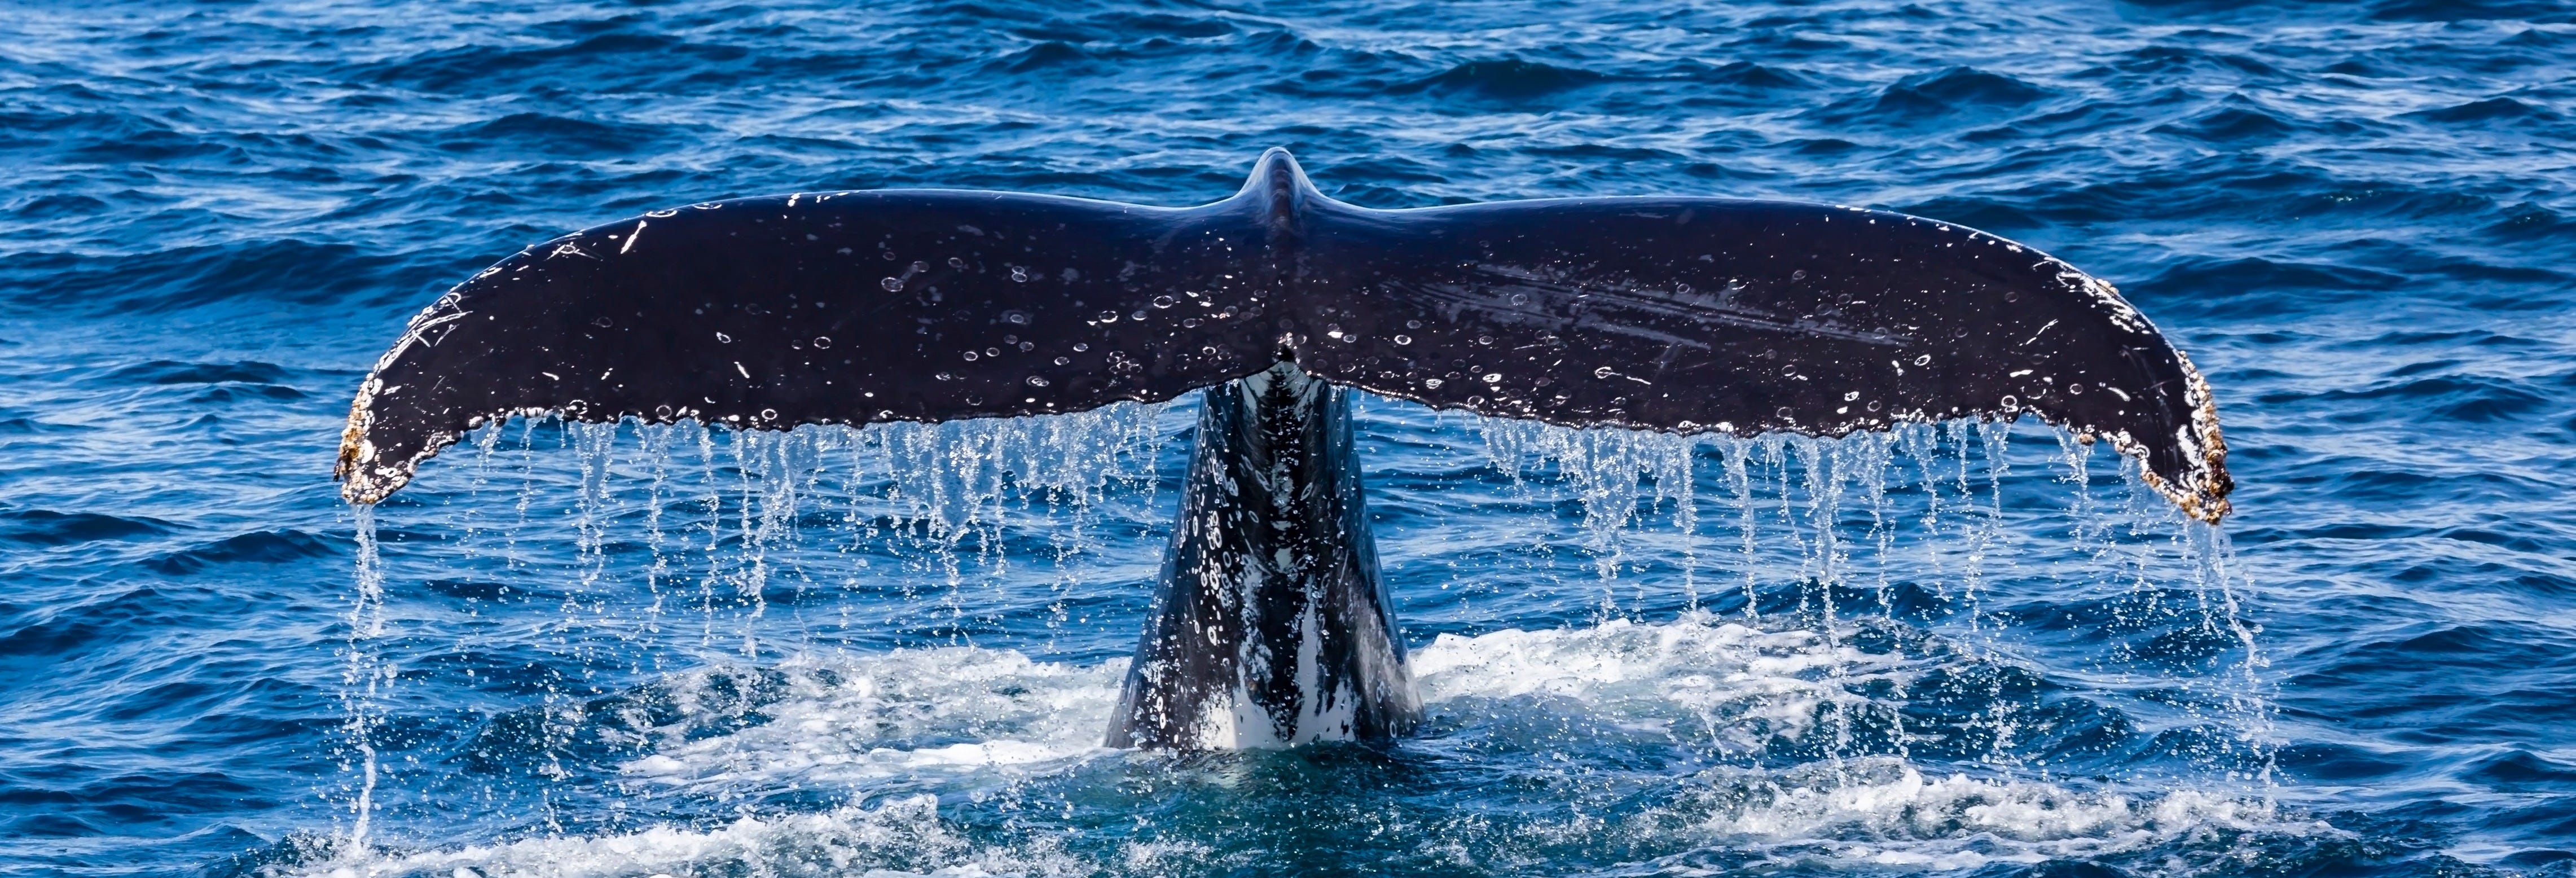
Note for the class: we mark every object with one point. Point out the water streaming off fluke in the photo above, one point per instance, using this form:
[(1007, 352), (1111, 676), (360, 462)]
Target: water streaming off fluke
[(770, 650)]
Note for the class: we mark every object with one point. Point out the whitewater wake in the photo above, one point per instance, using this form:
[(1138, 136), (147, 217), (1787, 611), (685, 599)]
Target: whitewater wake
[(917, 749)]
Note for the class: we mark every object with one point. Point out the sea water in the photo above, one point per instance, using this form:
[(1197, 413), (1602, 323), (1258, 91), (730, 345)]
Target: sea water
[(581, 649)]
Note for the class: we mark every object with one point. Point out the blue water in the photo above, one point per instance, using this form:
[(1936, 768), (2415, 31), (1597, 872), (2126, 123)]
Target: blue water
[(1965, 650)]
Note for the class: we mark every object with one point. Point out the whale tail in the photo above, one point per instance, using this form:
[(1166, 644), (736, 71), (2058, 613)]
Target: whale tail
[(1272, 625), (1679, 314)]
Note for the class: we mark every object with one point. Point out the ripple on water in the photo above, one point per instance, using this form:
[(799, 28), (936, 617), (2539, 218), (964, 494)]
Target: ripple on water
[(728, 657)]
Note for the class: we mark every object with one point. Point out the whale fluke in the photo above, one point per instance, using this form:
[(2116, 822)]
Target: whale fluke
[(1681, 314)]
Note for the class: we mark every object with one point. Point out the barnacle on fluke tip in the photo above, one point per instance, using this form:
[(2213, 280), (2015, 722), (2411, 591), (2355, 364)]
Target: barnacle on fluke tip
[(1680, 314)]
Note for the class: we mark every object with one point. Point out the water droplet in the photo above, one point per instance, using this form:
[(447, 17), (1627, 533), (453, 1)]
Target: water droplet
[(1873, 405), (1800, 274), (1107, 317), (2072, 387), (1433, 383), (1188, 322), (992, 352), (1062, 360), (1164, 301), (970, 356), (1603, 372), (945, 376), (1028, 346), (1520, 298), (1019, 274), (722, 338), (1413, 324), (891, 284), (1493, 377), (1404, 339), (1079, 347), (1037, 381), (2011, 402), (1923, 359), (769, 414), (822, 341), (954, 262), (1484, 339), (1015, 318)]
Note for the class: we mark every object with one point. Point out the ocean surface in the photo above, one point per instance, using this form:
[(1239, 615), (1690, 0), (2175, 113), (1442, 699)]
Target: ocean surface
[(1965, 649)]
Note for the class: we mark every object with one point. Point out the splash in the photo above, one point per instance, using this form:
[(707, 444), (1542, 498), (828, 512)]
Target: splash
[(1846, 619), (968, 760)]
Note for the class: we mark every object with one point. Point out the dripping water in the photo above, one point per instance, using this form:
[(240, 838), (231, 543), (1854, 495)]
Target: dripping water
[(1883, 551), (363, 680)]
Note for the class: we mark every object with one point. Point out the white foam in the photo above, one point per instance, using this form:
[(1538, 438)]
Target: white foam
[(908, 712), (1884, 811), (1743, 686), (954, 717), (900, 837)]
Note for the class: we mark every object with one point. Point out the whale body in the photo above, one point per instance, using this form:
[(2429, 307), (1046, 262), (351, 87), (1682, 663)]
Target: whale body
[(1271, 624)]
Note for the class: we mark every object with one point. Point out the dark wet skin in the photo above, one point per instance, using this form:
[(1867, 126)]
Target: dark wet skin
[(1683, 314)]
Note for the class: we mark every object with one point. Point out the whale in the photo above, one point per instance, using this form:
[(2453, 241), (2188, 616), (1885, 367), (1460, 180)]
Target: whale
[(1270, 623)]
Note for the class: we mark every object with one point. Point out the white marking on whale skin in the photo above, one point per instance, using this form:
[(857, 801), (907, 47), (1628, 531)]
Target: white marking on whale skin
[(2108, 297), (1242, 725), (630, 238), (1322, 714), (369, 479)]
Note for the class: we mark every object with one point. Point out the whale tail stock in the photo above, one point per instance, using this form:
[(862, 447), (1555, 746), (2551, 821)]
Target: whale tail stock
[(1272, 625), (1680, 314)]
